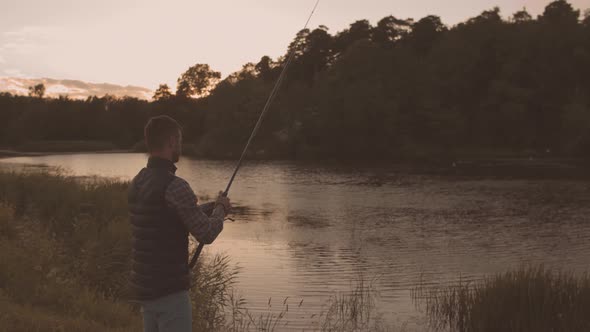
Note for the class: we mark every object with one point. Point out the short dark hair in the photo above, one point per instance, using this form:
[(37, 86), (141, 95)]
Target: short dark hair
[(158, 131)]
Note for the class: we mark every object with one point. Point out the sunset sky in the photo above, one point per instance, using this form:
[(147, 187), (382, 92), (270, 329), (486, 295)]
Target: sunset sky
[(147, 42)]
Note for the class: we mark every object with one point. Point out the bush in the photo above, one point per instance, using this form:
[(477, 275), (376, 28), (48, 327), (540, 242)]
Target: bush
[(527, 299)]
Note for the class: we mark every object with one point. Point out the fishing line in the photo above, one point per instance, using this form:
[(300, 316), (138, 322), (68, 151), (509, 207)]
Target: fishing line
[(269, 101)]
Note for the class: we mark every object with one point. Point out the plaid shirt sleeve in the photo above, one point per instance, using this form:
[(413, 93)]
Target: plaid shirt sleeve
[(181, 198)]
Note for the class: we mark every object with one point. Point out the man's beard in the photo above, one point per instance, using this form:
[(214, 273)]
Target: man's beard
[(175, 156)]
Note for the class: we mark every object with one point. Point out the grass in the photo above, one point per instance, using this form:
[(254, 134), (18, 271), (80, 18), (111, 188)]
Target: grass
[(65, 247), (353, 311), (40, 290), (347, 311), (242, 320), (65, 255), (526, 299)]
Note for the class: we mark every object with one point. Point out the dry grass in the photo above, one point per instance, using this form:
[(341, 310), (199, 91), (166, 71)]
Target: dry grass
[(40, 292), (65, 249), (353, 311), (527, 299)]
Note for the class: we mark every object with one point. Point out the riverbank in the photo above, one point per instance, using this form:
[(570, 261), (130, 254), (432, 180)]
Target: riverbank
[(65, 260), (15, 153), (477, 166), (533, 298), (61, 257), (8, 153), (40, 148)]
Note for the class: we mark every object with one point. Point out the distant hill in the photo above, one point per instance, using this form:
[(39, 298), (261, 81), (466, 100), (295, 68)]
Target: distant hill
[(73, 88)]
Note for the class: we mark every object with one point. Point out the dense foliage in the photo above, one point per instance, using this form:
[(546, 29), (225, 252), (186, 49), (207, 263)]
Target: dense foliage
[(399, 89)]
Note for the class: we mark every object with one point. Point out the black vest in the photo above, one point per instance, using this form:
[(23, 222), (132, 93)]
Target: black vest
[(160, 239)]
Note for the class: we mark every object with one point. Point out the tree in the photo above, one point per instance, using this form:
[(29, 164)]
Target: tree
[(317, 52), (183, 89), (586, 20), (198, 81), (398, 89), (358, 30), (311, 52), (390, 29), (425, 32), (37, 90), (162, 93), (297, 46), (521, 16), (264, 68), (248, 72), (560, 12), (487, 16)]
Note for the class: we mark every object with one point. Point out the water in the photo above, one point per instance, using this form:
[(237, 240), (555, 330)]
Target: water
[(309, 231)]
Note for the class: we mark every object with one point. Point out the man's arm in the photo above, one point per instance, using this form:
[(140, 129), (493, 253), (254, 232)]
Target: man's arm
[(181, 198)]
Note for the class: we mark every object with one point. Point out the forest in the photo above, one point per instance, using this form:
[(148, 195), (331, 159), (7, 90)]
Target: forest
[(402, 89)]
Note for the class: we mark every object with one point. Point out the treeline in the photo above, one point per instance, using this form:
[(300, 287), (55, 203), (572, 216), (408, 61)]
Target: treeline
[(399, 89)]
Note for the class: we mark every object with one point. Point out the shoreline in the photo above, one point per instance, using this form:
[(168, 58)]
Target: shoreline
[(492, 167), (8, 153)]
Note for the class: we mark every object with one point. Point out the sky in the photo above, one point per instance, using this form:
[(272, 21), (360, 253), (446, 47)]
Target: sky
[(148, 42)]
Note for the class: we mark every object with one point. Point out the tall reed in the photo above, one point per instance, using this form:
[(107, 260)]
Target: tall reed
[(531, 298)]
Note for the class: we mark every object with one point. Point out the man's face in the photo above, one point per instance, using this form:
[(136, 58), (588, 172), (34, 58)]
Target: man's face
[(177, 147)]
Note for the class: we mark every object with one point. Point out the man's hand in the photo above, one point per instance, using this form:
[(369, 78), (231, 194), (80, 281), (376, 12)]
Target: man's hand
[(223, 201)]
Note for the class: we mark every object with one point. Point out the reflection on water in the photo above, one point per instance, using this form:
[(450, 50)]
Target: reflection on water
[(308, 231)]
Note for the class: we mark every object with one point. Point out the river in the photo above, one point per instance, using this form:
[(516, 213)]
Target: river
[(310, 231)]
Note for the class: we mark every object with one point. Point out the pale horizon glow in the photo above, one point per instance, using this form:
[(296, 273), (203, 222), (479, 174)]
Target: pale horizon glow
[(146, 43)]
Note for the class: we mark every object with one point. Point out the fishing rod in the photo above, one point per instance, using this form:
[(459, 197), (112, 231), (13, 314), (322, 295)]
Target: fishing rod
[(208, 207)]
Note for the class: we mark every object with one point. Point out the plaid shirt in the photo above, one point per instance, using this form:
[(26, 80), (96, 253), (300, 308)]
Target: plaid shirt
[(183, 200)]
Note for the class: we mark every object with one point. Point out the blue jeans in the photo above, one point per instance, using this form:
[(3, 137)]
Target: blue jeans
[(170, 313)]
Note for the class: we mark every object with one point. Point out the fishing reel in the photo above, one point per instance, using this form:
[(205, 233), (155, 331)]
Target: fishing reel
[(208, 208)]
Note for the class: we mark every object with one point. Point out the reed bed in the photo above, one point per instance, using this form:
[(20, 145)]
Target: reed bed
[(65, 246), (530, 298)]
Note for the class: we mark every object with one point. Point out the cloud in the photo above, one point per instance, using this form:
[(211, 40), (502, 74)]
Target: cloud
[(13, 72), (33, 32), (2, 60), (16, 84), (29, 39)]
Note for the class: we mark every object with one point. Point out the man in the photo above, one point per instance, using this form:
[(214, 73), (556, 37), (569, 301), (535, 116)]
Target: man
[(163, 210)]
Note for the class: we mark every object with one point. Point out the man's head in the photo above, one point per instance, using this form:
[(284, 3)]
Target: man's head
[(163, 137)]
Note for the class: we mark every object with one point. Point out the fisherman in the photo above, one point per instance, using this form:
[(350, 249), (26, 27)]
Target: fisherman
[(163, 209)]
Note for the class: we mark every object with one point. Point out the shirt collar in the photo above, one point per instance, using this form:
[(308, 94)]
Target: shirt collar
[(158, 162)]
